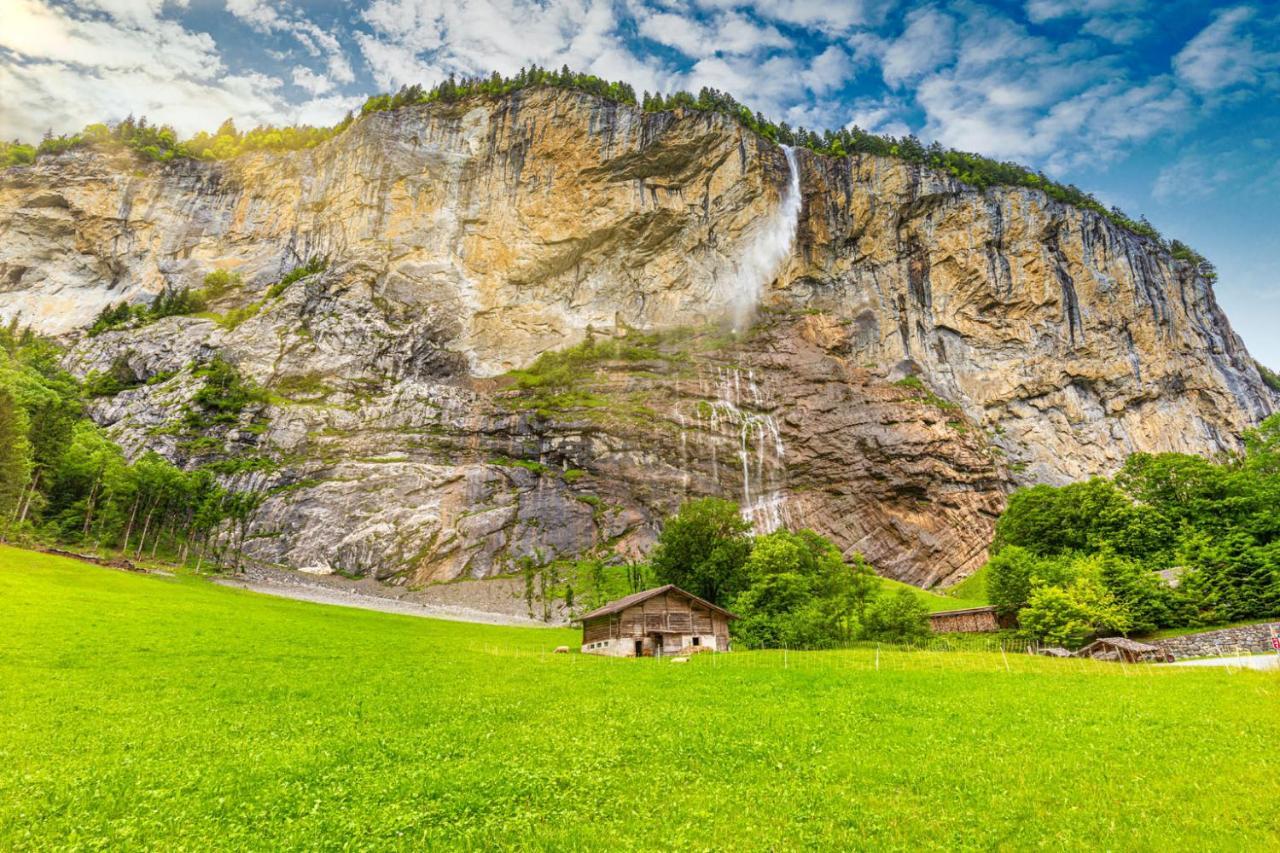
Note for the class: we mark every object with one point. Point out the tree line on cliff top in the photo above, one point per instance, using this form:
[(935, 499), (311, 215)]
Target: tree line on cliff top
[(161, 142)]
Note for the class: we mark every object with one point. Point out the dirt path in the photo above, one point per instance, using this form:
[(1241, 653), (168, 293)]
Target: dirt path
[(279, 584)]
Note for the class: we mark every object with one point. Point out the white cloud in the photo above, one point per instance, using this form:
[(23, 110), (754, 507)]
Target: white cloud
[(1040, 11), (830, 16), (727, 33), (393, 64), (829, 71), (1224, 54), (36, 31), (65, 98), (995, 88), (280, 17), (316, 84), (1190, 177), (779, 85), (879, 115), (927, 43), (1120, 30), (107, 59), (1118, 21), (415, 41)]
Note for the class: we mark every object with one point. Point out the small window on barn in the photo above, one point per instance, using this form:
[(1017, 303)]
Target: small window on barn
[(697, 641)]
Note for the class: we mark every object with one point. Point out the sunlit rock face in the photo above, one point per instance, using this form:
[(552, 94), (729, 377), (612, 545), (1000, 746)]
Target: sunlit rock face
[(464, 240)]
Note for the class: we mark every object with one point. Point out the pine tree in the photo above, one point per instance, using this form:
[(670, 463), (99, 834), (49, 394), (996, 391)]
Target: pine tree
[(15, 455)]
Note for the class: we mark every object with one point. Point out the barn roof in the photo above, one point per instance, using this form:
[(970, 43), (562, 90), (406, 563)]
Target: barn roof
[(636, 597), (990, 608), (1121, 643)]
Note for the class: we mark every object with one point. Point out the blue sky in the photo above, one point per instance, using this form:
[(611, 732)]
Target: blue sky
[(1168, 108)]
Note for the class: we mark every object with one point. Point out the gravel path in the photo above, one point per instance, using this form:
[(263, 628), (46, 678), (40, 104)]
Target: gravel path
[(1270, 661), (300, 590)]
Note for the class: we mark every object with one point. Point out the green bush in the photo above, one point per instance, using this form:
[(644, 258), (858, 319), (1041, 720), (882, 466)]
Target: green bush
[(800, 593), (1054, 617), (171, 302), (222, 397), (311, 267), (118, 377), (220, 282), (16, 154), (898, 618)]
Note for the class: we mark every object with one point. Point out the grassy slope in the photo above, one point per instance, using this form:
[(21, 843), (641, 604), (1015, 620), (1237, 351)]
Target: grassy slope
[(150, 712), (953, 599), (972, 588)]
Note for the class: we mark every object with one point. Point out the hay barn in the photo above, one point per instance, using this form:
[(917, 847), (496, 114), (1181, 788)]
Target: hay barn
[(662, 621), (971, 620), (1123, 649)]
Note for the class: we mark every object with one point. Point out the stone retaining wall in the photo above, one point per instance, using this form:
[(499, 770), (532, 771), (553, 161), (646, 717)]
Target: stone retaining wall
[(1252, 639)]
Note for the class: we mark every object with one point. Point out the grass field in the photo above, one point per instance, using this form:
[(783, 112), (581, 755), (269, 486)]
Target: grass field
[(169, 713)]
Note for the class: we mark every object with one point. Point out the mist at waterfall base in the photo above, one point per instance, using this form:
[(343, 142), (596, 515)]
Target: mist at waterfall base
[(768, 250)]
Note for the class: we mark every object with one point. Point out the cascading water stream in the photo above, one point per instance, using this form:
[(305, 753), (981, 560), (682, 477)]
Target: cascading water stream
[(745, 419), (771, 246), (736, 410)]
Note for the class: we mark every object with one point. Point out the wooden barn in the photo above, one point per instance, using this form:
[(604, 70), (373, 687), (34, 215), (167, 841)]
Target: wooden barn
[(1123, 649), (665, 620), (971, 620)]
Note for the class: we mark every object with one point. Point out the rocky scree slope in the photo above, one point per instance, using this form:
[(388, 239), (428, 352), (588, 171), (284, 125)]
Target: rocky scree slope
[(921, 347)]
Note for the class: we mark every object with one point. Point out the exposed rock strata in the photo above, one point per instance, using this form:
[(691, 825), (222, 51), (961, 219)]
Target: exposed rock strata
[(464, 240)]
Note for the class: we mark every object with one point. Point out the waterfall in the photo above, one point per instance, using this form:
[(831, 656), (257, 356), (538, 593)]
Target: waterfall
[(770, 248), (734, 409)]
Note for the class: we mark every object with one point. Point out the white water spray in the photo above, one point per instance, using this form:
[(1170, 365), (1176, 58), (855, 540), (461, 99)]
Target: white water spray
[(771, 246)]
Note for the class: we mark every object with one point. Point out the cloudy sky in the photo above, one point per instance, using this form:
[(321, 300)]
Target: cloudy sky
[(1169, 108)]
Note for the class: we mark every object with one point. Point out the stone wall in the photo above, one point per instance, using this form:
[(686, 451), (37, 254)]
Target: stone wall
[(1247, 639)]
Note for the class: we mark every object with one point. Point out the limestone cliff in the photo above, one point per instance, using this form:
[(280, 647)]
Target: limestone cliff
[(464, 240)]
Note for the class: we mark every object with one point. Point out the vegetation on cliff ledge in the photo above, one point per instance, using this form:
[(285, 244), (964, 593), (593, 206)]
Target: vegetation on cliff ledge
[(1269, 376)]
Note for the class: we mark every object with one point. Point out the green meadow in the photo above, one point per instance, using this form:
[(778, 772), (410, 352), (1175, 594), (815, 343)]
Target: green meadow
[(147, 712)]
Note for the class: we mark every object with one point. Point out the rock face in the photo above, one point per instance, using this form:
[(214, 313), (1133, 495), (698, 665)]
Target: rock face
[(919, 349)]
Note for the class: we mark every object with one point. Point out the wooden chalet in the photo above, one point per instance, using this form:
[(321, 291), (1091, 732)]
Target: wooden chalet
[(1123, 649), (970, 620), (665, 620)]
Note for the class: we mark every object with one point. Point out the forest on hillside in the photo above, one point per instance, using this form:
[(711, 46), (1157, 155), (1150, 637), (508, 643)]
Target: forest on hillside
[(1172, 540), (64, 480)]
